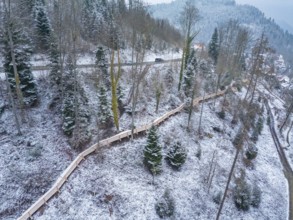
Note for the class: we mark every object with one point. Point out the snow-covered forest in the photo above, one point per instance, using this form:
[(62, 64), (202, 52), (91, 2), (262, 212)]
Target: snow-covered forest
[(217, 103)]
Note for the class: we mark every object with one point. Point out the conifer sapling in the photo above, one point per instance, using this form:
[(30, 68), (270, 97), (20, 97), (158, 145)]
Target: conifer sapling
[(176, 156), (152, 152)]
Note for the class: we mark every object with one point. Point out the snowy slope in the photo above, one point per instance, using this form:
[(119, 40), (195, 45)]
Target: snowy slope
[(114, 184)]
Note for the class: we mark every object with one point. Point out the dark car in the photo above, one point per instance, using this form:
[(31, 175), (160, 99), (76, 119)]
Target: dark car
[(158, 60)]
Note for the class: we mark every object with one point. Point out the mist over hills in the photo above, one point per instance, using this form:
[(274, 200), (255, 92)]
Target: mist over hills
[(280, 11), (286, 26), (216, 12)]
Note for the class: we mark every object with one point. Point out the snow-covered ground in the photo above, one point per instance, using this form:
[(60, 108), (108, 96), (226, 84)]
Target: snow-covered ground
[(114, 184), (29, 164), (32, 162)]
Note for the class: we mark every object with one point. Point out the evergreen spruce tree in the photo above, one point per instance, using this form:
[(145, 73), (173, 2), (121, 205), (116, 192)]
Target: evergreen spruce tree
[(103, 8), (30, 4), (259, 125), (43, 26), (22, 51), (221, 114), (254, 135), (165, 206), (214, 47), (189, 74), (113, 39), (68, 106), (74, 107), (242, 195), (122, 6), (104, 114), (89, 19), (251, 152), (152, 152), (256, 196), (68, 115), (176, 156), (55, 67), (101, 63), (239, 139)]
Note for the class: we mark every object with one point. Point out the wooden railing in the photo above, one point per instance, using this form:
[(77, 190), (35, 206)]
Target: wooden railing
[(74, 164)]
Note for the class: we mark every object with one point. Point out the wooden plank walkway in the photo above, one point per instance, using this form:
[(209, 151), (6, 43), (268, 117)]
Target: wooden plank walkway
[(125, 134)]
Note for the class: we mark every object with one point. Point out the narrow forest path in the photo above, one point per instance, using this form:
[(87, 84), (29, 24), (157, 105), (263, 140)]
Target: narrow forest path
[(286, 165)]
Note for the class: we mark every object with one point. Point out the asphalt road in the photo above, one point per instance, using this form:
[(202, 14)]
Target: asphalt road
[(39, 68), (288, 172)]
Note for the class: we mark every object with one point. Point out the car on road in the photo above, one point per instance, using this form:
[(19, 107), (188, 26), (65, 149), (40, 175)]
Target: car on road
[(158, 60)]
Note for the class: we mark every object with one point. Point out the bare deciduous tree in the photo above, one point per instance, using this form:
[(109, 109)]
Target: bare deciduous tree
[(188, 18)]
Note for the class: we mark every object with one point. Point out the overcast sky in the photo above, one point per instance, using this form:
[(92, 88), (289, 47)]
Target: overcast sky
[(281, 10)]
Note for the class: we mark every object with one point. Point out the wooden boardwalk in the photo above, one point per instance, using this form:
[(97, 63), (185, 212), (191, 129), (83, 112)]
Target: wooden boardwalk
[(123, 135)]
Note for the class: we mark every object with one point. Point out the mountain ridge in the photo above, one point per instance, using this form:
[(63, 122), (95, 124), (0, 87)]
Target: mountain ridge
[(224, 11)]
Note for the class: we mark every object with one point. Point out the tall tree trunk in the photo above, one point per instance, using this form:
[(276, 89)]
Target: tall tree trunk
[(114, 92), (13, 106), (228, 183), (289, 133), (16, 75), (253, 90), (76, 92), (190, 110), (287, 116), (133, 75), (181, 69), (201, 112), (217, 87), (256, 64)]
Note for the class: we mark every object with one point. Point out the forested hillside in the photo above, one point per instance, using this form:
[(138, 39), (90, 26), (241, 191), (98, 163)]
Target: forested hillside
[(109, 113), (95, 22), (214, 13)]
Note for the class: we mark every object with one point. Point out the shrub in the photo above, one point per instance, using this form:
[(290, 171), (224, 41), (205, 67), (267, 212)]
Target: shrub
[(165, 206), (251, 152), (2, 108), (259, 125), (268, 120), (234, 120), (221, 114), (217, 129), (238, 140), (217, 198), (254, 136), (198, 153), (176, 156), (256, 197), (238, 86), (242, 195)]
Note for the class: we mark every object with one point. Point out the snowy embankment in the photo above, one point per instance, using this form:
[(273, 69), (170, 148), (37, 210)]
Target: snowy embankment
[(114, 184), (29, 164), (279, 113), (40, 60)]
